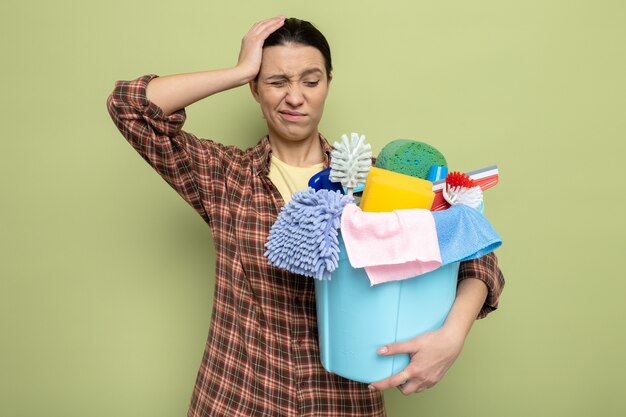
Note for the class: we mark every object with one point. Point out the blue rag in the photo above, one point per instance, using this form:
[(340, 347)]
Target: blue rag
[(464, 234)]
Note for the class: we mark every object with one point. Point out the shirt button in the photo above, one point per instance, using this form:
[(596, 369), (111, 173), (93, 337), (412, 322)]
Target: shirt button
[(302, 384)]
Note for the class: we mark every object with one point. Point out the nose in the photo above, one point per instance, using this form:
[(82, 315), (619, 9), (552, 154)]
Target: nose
[(295, 96)]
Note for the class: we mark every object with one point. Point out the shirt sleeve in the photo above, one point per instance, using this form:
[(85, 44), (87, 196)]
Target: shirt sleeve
[(485, 269), (186, 163)]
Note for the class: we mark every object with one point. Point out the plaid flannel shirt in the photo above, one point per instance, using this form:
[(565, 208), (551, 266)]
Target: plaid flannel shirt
[(262, 356)]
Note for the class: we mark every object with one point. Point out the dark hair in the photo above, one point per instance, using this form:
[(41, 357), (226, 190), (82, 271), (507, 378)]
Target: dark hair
[(302, 32)]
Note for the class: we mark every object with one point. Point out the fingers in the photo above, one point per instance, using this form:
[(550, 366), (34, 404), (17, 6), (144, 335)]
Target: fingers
[(265, 27), (409, 346), (251, 52), (404, 377), (399, 378), (419, 383), (260, 31), (262, 22), (413, 386), (405, 382), (392, 381)]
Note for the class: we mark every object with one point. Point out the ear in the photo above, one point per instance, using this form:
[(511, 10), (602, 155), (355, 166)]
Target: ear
[(330, 77), (254, 89)]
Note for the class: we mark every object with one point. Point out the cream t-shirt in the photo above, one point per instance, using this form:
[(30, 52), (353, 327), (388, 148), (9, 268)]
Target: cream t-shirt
[(289, 179)]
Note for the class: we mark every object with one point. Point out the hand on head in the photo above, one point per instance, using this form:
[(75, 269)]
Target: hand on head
[(251, 51)]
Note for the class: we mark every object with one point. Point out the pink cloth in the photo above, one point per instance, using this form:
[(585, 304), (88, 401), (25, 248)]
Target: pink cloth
[(391, 246)]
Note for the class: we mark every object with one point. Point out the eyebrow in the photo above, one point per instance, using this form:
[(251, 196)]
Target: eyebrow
[(284, 76)]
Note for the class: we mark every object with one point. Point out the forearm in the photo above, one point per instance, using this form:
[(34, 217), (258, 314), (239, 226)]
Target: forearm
[(470, 297), (485, 269), (174, 92)]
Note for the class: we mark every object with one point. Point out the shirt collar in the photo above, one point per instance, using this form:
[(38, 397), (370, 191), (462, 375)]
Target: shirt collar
[(262, 154)]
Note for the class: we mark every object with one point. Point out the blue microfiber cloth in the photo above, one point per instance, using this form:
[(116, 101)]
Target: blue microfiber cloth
[(464, 234), (304, 237)]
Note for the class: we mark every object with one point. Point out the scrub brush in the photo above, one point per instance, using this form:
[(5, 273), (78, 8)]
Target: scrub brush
[(351, 161), (461, 189)]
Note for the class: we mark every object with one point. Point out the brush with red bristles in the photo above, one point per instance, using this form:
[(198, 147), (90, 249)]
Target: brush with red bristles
[(461, 189)]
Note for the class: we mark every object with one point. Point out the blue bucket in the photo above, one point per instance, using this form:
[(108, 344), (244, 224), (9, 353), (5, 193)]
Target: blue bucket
[(355, 319)]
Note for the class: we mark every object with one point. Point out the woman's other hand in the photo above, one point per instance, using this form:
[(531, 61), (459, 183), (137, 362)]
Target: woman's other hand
[(432, 354), (251, 51)]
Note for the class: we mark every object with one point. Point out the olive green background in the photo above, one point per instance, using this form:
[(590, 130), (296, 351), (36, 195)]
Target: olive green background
[(107, 274)]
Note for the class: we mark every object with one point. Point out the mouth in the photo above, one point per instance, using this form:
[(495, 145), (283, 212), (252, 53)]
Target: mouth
[(291, 116)]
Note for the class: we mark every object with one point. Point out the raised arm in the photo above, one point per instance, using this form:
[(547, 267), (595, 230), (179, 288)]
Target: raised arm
[(150, 112), (175, 92)]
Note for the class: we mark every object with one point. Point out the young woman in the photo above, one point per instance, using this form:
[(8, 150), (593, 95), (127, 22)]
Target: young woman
[(262, 356)]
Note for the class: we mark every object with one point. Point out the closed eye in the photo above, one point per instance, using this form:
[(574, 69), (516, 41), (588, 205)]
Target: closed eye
[(312, 83)]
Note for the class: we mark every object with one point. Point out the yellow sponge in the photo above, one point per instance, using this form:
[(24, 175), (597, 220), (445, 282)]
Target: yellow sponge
[(387, 191)]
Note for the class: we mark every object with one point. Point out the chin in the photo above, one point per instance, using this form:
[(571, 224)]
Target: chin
[(298, 138), (294, 135)]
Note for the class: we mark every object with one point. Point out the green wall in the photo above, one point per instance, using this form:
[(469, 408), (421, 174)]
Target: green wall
[(106, 274)]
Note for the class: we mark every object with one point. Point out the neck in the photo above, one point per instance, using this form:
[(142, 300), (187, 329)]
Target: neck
[(301, 153)]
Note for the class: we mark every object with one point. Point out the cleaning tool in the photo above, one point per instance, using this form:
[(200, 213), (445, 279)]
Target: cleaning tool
[(387, 191), (350, 161), (437, 172), (461, 189), (409, 157), (354, 318), (304, 237), (321, 181), (485, 178)]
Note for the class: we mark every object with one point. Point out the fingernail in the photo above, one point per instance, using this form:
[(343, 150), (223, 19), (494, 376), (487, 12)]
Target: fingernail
[(371, 388), (383, 349)]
